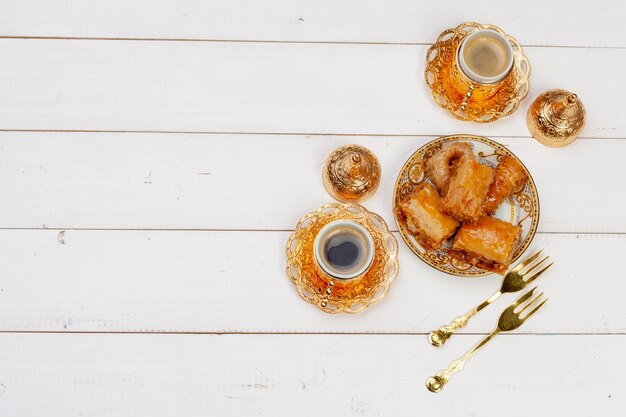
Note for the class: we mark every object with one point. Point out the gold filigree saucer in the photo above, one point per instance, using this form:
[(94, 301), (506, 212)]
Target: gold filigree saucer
[(522, 208), (450, 94), (335, 296)]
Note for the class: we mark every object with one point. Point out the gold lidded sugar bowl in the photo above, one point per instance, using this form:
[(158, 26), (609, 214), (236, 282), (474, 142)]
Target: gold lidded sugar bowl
[(556, 118), (351, 174)]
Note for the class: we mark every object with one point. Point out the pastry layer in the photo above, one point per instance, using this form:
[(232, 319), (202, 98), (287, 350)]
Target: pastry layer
[(440, 164), (467, 190), (489, 244), (423, 216), (510, 177)]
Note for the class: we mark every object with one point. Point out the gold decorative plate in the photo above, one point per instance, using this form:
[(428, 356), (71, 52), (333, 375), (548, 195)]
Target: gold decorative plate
[(449, 94), (521, 208), (350, 296)]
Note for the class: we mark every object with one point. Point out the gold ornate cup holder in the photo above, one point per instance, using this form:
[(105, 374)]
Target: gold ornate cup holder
[(454, 94), (336, 295)]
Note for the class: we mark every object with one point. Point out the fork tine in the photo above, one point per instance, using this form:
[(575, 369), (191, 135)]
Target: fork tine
[(530, 303), (526, 261), (536, 274), (523, 298), (533, 267), (534, 310)]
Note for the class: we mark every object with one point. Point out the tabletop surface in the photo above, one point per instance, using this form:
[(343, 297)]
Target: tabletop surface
[(155, 156)]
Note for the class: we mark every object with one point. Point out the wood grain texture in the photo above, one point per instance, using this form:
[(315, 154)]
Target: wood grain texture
[(269, 87), (131, 281), (260, 182), (160, 289), (235, 375), (534, 22)]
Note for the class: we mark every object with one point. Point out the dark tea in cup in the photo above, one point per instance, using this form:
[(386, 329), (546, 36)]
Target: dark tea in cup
[(344, 250)]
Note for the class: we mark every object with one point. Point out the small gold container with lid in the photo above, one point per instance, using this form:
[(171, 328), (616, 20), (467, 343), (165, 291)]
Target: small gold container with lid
[(351, 174), (556, 118)]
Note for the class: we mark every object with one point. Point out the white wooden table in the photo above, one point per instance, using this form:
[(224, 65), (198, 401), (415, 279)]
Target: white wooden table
[(154, 157)]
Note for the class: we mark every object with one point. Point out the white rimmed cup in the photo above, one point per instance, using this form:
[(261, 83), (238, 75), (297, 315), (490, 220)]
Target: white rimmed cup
[(474, 85), (505, 56), (344, 250)]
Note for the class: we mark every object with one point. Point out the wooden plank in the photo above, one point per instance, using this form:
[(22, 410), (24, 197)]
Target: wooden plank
[(273, 375), (169, 181), (268, 87), (145, 281), (402, 21)]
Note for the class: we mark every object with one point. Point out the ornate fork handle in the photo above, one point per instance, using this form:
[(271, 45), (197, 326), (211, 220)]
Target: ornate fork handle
[(438, 337), (437, 382)]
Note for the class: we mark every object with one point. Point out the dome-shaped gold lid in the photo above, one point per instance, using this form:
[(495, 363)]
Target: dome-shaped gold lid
[(351, 174), (556, 118)]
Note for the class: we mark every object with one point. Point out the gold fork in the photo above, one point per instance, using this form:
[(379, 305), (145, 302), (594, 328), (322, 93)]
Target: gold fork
[(517, 279), (509, 320)]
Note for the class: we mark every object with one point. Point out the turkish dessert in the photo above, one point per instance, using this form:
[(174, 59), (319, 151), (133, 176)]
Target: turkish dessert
[(440, 165), (509, 178), (424, 219), (467, 190), (488, 244)]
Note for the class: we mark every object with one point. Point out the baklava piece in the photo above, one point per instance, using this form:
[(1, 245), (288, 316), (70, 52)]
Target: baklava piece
[(509, 178), (421, 212), (439, 165), (467, 190), (489, 244)]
